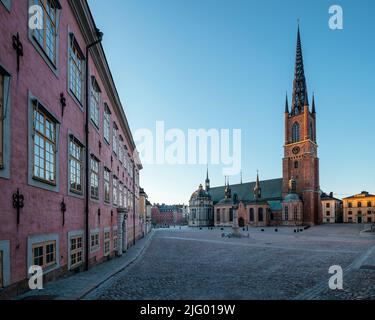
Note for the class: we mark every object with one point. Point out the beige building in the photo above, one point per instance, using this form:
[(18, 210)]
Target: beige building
[(359, 208), (331, 209), (144, 211)]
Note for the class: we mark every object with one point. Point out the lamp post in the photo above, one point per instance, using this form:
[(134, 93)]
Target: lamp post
[(99, 40)]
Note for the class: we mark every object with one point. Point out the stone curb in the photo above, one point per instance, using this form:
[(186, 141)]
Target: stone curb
[(89, 289)]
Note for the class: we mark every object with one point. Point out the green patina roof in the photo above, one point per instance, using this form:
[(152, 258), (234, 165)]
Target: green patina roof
[(271, 190), (275, 205)]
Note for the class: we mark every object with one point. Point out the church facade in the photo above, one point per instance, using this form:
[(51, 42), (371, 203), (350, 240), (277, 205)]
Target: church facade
[(292, 200)]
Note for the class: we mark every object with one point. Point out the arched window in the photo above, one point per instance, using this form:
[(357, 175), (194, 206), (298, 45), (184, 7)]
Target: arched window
[(260, 214), (311, 131), (295, 213), (295, 132), (286, 213), (230, 214), (295, 164), (251, 217)]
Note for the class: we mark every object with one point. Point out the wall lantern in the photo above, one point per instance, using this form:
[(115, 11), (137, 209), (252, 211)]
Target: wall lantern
[(18, 47), (63, 210), (18, 203)]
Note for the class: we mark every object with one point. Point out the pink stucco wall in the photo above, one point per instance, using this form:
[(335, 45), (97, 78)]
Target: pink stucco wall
[(41, 214)]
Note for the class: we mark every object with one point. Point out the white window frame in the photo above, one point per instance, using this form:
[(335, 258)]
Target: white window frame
[(107, 124), (95, 102), (77, 250), (107, 241), (94, 240)]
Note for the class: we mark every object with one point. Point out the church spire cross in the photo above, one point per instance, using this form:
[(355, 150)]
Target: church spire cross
[(299, 83)]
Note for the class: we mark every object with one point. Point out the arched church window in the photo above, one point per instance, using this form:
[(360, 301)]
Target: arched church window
[(295, 164), (260, 214), (295, 213), (286, 213), (311, 132), (296, 132), (251, 217)]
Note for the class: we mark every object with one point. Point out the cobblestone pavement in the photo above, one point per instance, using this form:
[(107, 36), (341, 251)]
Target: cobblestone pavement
[(201, 264), (77, 286)]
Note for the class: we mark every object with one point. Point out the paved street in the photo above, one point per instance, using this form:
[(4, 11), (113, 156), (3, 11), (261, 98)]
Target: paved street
[(201, 264)]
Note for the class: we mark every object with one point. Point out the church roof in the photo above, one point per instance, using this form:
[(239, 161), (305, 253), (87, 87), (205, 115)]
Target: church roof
[(271, 190)]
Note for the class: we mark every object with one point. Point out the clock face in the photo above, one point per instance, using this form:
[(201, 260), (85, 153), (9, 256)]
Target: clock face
[(296, 150)]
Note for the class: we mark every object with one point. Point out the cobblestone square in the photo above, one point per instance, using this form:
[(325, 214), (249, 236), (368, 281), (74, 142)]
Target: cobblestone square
[(201, 264)]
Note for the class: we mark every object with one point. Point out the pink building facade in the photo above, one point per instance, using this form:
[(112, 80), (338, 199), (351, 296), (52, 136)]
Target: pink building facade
[(45, 153)]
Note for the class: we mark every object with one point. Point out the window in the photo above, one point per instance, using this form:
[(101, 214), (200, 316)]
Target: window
[(44, 254), (107, 121), (76, 251), (75, 165), (121, 195), (2, 114), (295, 164), (106, 185), (107, 243), (44, 146), (94, 178), (95, 102), (251, 214), (286, 213), (350, 213), (218, 215), (75, 69), (114, 138), (369, 204), (47, 35), (115, 237), (120, 153), (328, 213), (7, 5), (295, 213), (94, 241), (115, 190), (311, 131), (126, 158), (194, 213), (230, 214), (350, 205), (260, 214), (328, 205), (296, 132), (359, 204)]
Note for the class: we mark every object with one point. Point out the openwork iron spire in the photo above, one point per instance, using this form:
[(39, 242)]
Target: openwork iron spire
[(299, 83)]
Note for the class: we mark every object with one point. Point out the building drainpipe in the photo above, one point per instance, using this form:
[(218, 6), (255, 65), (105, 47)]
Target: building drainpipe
[(87, 152)]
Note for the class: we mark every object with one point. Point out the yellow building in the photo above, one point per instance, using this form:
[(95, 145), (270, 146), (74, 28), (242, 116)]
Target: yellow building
[(359, 208)]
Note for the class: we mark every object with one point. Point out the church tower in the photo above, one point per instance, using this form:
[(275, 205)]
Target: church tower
[(301, 160)]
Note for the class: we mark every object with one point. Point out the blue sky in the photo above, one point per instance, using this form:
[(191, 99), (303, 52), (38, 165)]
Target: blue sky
[(227, 64)]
